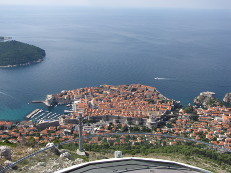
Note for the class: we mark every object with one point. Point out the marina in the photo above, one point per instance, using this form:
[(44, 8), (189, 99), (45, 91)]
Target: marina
[(40, 115), (51, 114)]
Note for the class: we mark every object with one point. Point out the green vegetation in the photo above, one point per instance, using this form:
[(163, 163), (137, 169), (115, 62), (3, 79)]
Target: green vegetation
[(30, 142), (133, 89), (214, 102), (186, 150), (150, 101), (16, 53), (7, 143), (71, 146), (194, 117), (189, 109)]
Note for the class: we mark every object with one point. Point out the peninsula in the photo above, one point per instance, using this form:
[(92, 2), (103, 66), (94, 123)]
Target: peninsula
[(130, 118), (15, 53)]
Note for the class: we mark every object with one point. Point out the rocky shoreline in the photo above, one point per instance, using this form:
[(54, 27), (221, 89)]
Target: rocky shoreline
[(206, 99), (227, 98), (19, 65)]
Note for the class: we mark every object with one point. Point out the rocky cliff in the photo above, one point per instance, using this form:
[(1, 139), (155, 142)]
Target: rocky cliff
[(206, 99), (227, 98)]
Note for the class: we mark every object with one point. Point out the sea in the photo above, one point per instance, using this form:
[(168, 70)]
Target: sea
[(189, 50)]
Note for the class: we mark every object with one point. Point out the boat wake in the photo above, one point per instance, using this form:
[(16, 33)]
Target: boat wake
[(6, 95)]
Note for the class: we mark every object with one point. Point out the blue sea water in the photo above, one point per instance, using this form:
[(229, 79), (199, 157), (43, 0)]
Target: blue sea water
[(89, 47)]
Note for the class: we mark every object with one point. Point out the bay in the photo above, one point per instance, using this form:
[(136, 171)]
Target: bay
[(86, 47)]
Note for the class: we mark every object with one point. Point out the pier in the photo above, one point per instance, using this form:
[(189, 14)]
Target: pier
[(32, 113)]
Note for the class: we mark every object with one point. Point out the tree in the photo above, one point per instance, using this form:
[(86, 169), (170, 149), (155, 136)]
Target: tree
[(169, 125), (194, 117), (189, 109), (133, 89), (124, 128), (31, 141)]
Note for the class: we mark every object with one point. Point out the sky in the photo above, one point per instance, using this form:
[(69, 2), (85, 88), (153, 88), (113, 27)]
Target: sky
[(204, 4)]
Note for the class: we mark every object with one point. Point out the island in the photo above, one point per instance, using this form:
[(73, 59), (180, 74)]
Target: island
[(15, 53)]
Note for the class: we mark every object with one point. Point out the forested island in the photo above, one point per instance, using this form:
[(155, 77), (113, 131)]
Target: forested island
[(14, 53)]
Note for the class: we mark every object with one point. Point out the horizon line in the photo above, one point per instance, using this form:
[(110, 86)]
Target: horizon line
[(110, 7)]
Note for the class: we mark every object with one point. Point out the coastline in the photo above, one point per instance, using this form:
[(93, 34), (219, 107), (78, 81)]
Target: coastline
[(65, 101), (26, 64)]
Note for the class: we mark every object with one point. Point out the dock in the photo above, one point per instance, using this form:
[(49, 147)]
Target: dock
[(32, 113)]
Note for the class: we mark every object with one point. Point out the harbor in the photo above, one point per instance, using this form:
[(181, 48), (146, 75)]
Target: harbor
[(39, 115), (51, 114)]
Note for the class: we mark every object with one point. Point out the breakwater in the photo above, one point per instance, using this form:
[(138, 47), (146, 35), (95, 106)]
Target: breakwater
[(30, 115)]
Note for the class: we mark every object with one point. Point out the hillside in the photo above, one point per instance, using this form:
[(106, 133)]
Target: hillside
[(48, 161), (14, 53)]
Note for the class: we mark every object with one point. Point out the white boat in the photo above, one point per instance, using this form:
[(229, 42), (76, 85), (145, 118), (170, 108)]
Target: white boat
[(68, 111), (158, 78)]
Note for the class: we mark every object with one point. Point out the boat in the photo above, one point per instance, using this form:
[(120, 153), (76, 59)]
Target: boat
[(158, 78), (68, 111)]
